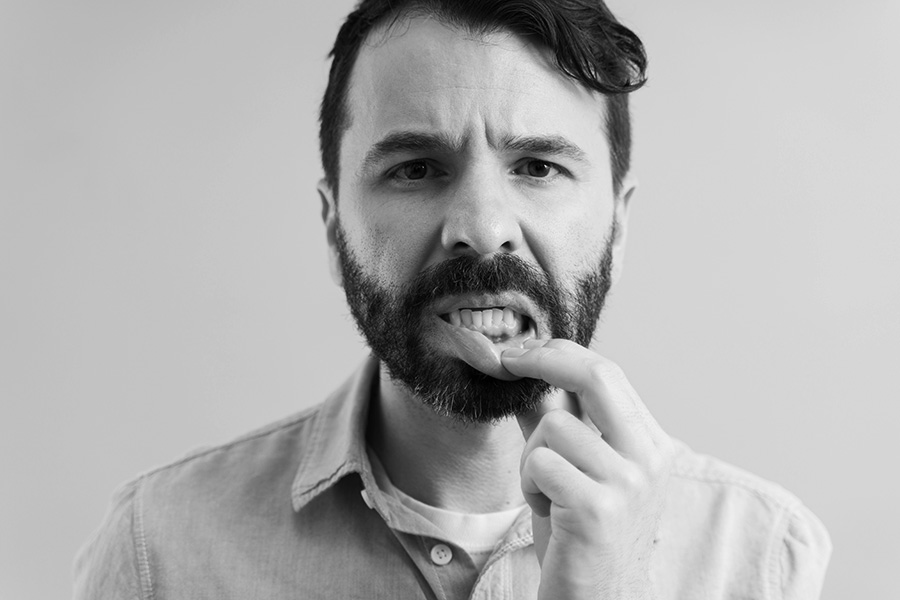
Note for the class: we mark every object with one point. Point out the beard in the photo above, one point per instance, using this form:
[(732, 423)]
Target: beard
[(392, 319)]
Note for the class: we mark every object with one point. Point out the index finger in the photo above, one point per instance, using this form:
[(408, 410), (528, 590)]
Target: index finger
[(604, 392)]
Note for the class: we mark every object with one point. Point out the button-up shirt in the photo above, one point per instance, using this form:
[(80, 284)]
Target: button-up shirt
[(293, 511)]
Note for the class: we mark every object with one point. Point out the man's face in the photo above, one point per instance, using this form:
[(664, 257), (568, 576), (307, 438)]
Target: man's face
[(473, 177)]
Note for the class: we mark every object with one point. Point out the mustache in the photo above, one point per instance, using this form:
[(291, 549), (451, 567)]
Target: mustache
[(471, 274)]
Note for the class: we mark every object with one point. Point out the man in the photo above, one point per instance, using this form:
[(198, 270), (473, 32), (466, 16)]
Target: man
[(475, 201)]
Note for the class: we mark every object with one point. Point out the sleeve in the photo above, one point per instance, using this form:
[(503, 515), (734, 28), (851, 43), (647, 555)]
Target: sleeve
[(804, 556), (106, 567)]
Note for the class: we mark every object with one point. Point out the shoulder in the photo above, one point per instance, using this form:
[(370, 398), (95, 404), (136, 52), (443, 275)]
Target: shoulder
[(232, 477), (107, 566), (695, 473), (721, 515), (173, 510), (266, 447)]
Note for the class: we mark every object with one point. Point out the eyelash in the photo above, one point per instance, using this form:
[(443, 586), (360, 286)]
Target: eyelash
[(523, 164), (393, 174)]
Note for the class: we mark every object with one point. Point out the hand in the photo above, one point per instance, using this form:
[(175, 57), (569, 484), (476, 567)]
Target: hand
[(596, 486)]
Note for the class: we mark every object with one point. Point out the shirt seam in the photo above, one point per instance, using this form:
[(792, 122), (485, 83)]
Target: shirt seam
[(775, 572), (268, 430), (140, 540), (507, 548)]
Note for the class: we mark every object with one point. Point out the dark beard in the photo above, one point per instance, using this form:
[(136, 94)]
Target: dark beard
[(392, 324)]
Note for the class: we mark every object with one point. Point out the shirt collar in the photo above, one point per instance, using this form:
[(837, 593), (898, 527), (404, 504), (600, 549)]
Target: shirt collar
[(336, 446), (336, 443)]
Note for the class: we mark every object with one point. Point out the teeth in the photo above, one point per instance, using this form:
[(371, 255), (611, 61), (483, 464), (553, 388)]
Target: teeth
[(494, 323)]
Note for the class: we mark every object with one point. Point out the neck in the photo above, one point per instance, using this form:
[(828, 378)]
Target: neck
[(440, 461)]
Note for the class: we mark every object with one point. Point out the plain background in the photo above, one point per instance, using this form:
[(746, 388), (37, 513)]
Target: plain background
[(164, 281)]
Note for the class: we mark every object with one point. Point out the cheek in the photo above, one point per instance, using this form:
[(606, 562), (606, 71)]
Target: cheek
[(394, 244), (570, 239)]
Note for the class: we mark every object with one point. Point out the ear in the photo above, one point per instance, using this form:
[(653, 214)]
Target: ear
[(330, 218), (623, 200)]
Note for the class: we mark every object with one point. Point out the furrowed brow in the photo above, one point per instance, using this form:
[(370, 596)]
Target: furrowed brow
[(545, 145), (408, 141)]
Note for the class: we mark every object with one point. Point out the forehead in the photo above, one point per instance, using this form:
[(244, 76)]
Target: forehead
[(422, 75)]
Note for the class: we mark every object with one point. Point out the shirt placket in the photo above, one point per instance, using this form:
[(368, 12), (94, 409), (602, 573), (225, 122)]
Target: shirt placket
[(512, 572), (447, 569)]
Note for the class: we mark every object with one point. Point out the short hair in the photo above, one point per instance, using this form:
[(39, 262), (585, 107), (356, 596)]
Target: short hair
[(587, 42)]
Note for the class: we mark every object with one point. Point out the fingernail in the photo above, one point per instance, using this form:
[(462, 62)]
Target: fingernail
[(534, 343), (513, 352)]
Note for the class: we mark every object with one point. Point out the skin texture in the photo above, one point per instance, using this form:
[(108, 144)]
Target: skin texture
[(595, 465)]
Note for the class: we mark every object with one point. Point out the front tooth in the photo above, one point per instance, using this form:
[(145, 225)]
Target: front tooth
[(509, 317), (454, 318), (497, 317), (466, 317), (487, 317), (476, 318)]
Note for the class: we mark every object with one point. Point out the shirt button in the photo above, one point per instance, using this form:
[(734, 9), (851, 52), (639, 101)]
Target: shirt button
[(441, 554)]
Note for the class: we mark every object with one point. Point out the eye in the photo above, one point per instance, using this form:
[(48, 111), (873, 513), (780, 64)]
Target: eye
[(413, 171), (539, 169)]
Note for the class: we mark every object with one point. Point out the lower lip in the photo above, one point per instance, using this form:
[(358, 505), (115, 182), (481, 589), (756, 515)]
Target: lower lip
[(477, 350)]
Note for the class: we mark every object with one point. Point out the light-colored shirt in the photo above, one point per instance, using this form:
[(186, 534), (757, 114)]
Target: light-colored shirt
[(477, 534), (293, 511)]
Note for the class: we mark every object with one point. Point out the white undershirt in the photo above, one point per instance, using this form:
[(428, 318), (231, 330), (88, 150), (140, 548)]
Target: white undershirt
[(476, 533)]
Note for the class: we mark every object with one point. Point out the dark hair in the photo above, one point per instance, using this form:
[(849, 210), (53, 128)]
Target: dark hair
[(586, 40)]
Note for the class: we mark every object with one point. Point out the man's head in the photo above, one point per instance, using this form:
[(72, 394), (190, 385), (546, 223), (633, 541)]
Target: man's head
[(586, 42), (483, 182)]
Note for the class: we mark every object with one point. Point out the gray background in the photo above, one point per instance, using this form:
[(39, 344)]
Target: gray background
[(163, 271)]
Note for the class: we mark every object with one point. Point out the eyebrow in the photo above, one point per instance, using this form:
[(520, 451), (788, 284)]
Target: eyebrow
[(409, 141), (547, 145), (415, 141)]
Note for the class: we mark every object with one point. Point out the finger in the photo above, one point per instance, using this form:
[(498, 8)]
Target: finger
[(577, 442), (538, 502), (605, 394), (529, 420), (548, 474)]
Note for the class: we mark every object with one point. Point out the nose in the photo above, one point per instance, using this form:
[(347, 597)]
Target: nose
[(481, 218)]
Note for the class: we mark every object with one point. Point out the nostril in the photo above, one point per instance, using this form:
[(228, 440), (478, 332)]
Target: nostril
[(483, 244), (481, 228)]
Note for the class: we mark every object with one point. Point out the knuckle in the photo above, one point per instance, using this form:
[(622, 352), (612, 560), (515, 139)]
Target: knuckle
[(555, 419), (539, 458), (633, 478), (604, 371), (605, 506), (612, 369), (659, 463), (596, 372)]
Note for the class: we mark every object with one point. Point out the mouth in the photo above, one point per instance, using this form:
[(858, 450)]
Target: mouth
[(478, 330), (497, 323)]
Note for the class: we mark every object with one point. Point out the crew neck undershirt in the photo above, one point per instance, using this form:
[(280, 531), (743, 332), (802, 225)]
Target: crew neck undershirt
[(476, 533)]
